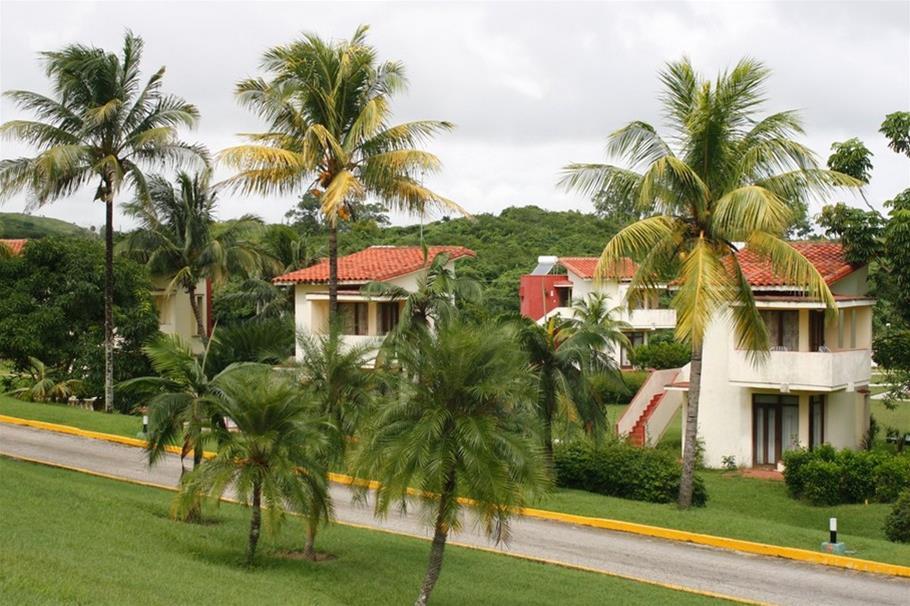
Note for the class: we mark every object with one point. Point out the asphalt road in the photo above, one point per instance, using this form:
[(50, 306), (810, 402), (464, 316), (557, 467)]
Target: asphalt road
[(751, 577)]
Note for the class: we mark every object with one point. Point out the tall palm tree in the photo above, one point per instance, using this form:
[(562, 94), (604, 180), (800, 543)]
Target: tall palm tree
[(564, 356), (729, 176), (101, 125), (436, 297), (456, 424), (327, 105), (271, 460), (179, 237)]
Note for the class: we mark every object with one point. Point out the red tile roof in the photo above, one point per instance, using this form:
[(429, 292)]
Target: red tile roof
[(827, 257), (15, 246), (584, 267), (373, 263)]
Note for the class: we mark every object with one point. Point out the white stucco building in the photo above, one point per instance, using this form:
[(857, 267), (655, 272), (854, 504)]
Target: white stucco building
[(366, 317), (544, 293), (175, 314)]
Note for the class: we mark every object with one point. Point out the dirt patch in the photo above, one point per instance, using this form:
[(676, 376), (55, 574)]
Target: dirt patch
[(297, 554)]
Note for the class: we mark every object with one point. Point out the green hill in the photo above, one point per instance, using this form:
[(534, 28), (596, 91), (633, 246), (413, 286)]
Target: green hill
[(19, 225)]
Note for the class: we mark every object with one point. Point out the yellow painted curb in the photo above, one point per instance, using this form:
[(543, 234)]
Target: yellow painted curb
[(519, 556), (790, 553)]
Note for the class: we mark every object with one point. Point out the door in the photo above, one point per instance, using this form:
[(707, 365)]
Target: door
[(816, 330), (775, 427)]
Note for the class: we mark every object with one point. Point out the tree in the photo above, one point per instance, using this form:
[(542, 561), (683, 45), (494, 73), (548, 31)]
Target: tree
[(853, 158), (564, 355), (730, 177), (456, 424), (179, 237), (272, 458), (328, 109), (103, 125), (896, 129), (44, 385), (52, 309)]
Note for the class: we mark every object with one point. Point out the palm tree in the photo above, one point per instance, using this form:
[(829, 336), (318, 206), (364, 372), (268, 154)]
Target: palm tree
[(456, 424), (730, 176), (341, 389), (272, 459), (436, 297), (179, 237), (327, 105), (594, 313), (102, 124), (44, 385), (564, 356)]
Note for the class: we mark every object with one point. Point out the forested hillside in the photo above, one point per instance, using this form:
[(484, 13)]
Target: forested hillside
[(19, 225)]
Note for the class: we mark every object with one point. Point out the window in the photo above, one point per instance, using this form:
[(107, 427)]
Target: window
[(783, 329), (635, 339), (354, 318), (388, 316), (775, 427), (816, 421), (816, 330)]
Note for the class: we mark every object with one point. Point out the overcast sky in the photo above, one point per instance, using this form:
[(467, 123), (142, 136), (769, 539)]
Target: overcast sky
[(531, 85)]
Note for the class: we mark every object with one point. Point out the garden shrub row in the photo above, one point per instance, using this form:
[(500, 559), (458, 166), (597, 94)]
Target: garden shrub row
[(618, 469), (825, 476)]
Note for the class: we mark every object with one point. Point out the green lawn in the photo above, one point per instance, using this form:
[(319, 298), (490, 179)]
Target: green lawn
[(118, 424), (70, 538), (899, 417), (757, 510)]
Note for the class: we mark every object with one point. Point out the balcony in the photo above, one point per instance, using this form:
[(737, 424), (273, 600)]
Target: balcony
[(650, 319), (803, 370)]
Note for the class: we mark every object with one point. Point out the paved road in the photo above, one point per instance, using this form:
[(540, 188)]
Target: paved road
[(751, 577)]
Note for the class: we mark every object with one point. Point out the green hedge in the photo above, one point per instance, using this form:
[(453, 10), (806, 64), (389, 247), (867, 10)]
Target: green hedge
[(607, 393), (661, 355), (897, 524), (825, 476), (621, 470)]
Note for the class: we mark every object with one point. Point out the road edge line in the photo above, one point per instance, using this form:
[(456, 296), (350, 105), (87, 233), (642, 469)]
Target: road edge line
[(519, 556), (670, 534)]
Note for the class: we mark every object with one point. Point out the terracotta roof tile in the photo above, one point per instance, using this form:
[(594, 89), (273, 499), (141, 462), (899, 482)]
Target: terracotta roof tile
[(373, 263), (584, 267), (827, 257), (15, 246)]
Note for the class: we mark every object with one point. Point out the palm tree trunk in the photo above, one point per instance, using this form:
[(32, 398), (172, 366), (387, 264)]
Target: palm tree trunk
[(548, 439), (197, 455), (255, 522), (437, 548), (333, 272), (690, 443), (109, 300), (197, 314), (309, 548)]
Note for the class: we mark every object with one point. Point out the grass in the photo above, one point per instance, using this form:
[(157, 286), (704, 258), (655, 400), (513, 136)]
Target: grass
[(118, 424), (898, 418), (70, 538), (744, 508)]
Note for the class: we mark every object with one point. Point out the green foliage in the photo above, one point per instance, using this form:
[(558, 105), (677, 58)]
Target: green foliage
[(897, 524), (859, 230), (851, 157), (661, 353), (825, 476), (52, 308), (42, 384), (896, 129), (609, 392), (621, 470), (32, 227), (265, 340)]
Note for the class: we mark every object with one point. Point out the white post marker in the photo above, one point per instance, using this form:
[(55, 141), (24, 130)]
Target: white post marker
[(145, 427), (832, 529)]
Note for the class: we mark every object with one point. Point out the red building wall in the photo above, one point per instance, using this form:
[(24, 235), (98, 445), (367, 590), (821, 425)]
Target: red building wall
[(538, 294)]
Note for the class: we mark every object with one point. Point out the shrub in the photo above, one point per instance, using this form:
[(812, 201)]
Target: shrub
[(663, 354), (621, 470), (825, 476), (897, 524), (609, 394)]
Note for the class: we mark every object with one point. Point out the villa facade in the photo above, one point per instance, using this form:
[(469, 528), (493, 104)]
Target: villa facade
[(175, 314), (366, 318)]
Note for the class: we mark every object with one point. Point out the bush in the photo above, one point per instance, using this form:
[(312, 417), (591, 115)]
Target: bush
[(663, 354), (825, 476), (897, 524), (621, 470), (607, 393)]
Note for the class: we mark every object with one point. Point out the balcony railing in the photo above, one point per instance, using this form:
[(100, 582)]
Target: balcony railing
[(650, 319), (803, 370)]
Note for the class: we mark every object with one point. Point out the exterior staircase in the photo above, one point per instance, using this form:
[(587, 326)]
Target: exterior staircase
[(638, 435), (653, 407)]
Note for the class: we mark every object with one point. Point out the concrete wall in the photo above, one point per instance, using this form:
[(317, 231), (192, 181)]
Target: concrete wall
[(175, 315)]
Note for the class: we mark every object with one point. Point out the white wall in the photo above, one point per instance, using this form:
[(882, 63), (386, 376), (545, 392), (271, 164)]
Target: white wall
[(175, 315)]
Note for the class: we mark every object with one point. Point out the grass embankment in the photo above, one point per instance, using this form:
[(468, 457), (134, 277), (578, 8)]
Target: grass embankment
[(77, 539), (738, 507)]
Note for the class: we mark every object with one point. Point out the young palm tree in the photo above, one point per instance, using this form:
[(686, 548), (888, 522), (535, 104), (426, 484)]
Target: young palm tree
[(272, 459), (102, 125), (435, 298), (730, 176), (44, 386), (564, 356), (327, 105), (456, 423), (182, 407), (341, 389), (179, 237), (593, 313)]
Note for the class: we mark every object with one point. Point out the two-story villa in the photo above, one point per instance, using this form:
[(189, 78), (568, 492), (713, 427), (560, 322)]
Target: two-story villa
[(546, 292), (366, 318)]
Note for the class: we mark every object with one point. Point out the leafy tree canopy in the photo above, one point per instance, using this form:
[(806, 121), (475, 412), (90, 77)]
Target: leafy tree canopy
[(851, 157), (896, 128)]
